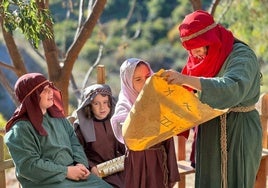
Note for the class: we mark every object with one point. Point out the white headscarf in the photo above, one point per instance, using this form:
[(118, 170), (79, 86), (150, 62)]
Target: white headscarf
[(127, 95)]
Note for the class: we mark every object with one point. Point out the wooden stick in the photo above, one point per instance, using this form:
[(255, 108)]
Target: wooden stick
[(101, 74)]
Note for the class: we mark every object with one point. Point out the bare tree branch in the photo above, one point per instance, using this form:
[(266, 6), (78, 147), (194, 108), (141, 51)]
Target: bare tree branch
[(226, 8), (80, 17), (130, 13), (19, 67), (77, 92), (92, 67), (196, 4), (84, 34), (2, 64), (8, 87), (213, 7)]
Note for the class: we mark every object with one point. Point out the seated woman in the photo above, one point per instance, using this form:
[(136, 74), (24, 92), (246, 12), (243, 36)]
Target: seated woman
[(42, 142)]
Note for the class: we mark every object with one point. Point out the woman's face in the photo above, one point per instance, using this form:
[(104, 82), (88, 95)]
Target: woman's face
[(140, 75), (100, 106), (199, 53), (46, 99)]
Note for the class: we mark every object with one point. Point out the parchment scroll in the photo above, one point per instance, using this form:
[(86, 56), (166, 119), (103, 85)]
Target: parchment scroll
[(112, 166), (161, 111)]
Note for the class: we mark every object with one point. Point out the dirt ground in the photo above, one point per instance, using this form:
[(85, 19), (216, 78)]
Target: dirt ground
[(13, 183)]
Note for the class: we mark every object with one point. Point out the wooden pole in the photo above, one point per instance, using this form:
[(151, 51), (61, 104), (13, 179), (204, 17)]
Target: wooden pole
[(2, 172), (101, 74), (264, 119), (182, 156), (4, 163), (263, 169)]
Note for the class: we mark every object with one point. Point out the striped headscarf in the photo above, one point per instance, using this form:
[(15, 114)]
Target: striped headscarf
[(85, 119)]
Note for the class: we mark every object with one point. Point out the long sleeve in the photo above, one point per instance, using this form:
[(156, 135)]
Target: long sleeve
[(77, 149), (237, 84), (25, 149), (44, 159)]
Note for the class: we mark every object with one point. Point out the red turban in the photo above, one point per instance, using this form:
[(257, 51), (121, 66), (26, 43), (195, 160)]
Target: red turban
[(199, 29), (27, 89)]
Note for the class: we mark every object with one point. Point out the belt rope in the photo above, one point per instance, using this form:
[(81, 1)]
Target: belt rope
[(223, 141)]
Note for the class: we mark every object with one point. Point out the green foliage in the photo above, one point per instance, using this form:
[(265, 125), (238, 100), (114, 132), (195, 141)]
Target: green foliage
[(2, 122), (2, 127), (65, 36), (159, 8), (25, 15), (155, 31), (115, 10), (264, 86), (90, 51), (156, 22), (183, 7), (248, 21)]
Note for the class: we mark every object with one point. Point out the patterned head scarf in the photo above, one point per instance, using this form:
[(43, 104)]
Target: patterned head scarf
[(198, 29), (28, 89), (127, 95), (85, 119)]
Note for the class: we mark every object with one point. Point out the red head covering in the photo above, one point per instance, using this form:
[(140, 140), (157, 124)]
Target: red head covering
[(28, 89), (198, 29)]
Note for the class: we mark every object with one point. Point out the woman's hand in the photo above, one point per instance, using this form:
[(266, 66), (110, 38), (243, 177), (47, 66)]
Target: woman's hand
[(84, 168), (77, 172)]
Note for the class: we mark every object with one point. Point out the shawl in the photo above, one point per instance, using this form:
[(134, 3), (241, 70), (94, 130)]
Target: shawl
[(198, 29), (85, 119), (28, 89), (127, 95)]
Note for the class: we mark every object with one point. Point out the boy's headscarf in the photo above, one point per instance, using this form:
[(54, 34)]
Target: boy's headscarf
[(199, 29), (28, 89)]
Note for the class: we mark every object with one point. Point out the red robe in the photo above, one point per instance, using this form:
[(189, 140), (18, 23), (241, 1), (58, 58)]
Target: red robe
[(155, 167)]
